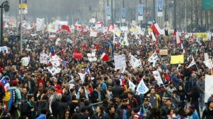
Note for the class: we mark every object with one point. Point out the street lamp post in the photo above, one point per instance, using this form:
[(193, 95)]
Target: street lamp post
[(6, 7)]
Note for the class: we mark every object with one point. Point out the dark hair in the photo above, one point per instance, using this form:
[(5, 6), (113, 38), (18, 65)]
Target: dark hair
[(117, 82), (75, 116), (83, 109), (44, 111), (64, 98), (45, 97)]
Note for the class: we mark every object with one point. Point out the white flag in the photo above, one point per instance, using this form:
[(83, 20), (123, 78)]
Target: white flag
[(39, 24), (157, 77), (43, 58), (142, 88), (153, 58), (131, 85), (134, 62), (192, 62), (208, 63), (125, 40), (54, 70)]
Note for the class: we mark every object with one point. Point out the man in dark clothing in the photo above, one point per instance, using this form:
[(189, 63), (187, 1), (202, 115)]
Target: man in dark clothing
[(124, 110), (165, 110), (111, 114), (133, 103), (208, 112), (97, 95), (117, 89), (84, 113)]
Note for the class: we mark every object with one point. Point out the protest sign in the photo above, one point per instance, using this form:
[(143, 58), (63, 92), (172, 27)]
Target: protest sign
[(177, 59), (208, 86), (93, 34), (25, 61), (44, 58), (120, 61), (163, 52)]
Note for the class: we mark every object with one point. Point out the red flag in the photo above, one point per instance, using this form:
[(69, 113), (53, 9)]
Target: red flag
[(155, 28), (65, 27), (77, 56)]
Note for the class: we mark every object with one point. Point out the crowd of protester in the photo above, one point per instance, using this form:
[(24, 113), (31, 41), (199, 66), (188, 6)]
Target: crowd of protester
[(75, 94)]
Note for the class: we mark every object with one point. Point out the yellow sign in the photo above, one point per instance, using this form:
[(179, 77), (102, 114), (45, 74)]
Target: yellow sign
[(177, 59), (163, 52), (201, 35)]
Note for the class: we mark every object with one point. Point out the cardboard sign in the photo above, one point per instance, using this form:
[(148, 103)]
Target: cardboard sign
[(93, 34), (163, 52), (177, 59)]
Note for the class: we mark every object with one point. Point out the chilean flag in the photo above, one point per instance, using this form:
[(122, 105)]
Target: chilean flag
[(52, 51), (66, 28), (178, 41), (5, 83), (122, 82), (88, 71), (104, 57), (155, 28), (111, 28)]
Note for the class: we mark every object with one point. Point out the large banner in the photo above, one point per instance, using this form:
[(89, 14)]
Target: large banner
[(140, 12), (23, 7), (120, 61), (160, 8), (207, 4), (123, 14), (108, 13), (208, 86)]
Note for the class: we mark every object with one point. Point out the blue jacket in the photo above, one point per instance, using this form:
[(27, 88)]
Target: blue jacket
[(41, 116), (18, 94)]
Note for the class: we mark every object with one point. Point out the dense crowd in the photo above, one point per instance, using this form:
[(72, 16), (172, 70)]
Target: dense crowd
[(76, 94)]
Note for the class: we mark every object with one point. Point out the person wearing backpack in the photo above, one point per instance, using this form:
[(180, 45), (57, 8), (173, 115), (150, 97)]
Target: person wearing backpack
[(15, 100)]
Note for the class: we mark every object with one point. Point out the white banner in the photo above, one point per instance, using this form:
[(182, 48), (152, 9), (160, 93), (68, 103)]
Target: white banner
[(44, 58), (55, 61), (93, 34), (134, 62), (25, 61), (142, 88), (120, 61), (54, 70), (157, 77), (39, 24), (208, 86)]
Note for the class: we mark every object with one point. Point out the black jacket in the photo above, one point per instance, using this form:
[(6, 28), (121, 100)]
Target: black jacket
[(207, 114), (94, 96), (117, 90), (113, 116)]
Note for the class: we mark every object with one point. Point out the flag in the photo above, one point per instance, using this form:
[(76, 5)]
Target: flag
[(125, 41), (155, 28), (192, 62), (153, 58), (142, 88), (167, 77), (93, 20), (66, 28), (153, 37), (104, 57), (52, 51), (88, 71), (121, 80), (157, 77), (178, 41), (132, 85), (110, 28), (5, 83)]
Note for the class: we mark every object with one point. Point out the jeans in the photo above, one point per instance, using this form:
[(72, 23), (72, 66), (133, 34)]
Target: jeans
[(202, 104)]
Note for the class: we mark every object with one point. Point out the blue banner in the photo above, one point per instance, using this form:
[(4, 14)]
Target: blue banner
[(160, 8), (123, 14), (140, 12), (108, 13)]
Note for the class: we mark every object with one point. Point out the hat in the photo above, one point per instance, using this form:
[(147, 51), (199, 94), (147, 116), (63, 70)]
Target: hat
[(191, 108), (58, 86), (14, 83), (52, 88)]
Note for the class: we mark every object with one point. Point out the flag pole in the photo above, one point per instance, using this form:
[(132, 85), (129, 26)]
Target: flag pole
[(21, 27)]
